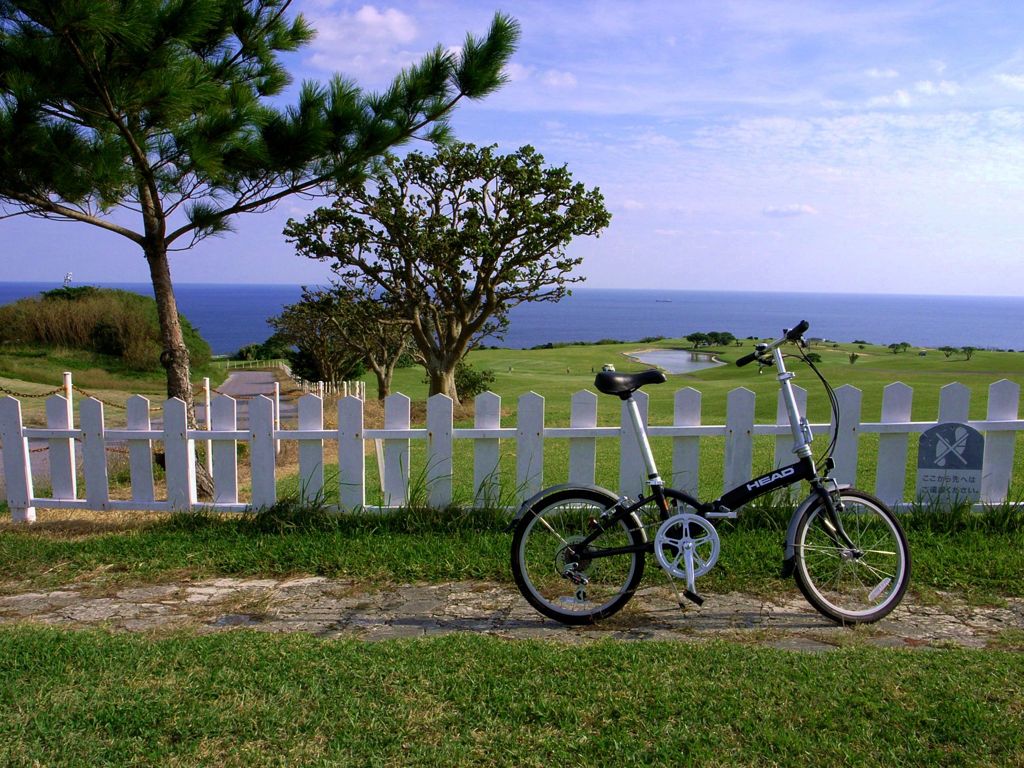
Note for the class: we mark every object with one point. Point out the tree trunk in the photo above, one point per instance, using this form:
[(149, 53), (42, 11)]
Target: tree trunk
[(442, 381), (174, 357)]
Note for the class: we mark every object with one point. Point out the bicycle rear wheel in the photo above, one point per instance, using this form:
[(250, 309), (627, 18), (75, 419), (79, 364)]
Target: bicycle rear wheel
[(852, 585), (575, 585)]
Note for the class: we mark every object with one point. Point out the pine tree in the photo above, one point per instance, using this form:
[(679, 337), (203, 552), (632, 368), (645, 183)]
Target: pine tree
[(164, 107)]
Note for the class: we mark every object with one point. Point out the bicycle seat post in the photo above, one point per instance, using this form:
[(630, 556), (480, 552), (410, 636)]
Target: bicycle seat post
[(653, 478)]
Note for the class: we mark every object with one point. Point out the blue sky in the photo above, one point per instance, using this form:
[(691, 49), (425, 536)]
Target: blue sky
[(834, 146)]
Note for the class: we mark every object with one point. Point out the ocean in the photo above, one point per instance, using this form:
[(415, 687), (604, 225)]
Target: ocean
[(231, 316)]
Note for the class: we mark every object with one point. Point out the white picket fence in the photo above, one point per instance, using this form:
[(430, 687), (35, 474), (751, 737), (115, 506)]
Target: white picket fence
[(394, 454)]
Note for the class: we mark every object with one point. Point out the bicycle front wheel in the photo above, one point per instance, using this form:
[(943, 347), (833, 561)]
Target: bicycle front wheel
[(859, 584), (570, 583)]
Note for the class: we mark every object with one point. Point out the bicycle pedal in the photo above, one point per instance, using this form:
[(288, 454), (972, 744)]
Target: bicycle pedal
[(693, 597)]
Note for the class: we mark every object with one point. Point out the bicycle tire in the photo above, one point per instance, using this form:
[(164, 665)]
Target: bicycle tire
[(541, 556), (853, 586)]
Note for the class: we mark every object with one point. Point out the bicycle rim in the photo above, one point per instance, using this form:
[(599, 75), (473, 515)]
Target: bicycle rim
[(564, 583), (853, 585)]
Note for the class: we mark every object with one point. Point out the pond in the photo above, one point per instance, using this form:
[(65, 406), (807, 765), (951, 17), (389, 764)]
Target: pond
[(676, 360)]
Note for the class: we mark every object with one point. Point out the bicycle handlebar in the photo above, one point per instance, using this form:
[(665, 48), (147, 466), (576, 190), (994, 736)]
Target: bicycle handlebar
[(747, 359), (794, 335)]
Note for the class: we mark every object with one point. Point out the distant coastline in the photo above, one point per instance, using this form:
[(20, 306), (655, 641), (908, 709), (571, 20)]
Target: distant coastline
[(231, 316)]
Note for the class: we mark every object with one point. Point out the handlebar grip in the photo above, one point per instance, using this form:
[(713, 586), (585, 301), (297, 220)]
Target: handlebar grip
[(795, 333), (746, 359)]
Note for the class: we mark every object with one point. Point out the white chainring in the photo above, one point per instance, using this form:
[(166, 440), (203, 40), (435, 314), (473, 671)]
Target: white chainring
[(682, 535)]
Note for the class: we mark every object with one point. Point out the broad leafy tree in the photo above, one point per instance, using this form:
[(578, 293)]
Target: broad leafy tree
[(453, 241), (319, 352), (155, 120), (364, 326)]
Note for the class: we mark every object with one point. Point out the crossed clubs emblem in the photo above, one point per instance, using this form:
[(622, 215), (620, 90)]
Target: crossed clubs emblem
[(944, 448)]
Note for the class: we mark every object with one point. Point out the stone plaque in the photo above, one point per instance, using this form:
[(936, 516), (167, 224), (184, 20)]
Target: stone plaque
[(949, 459)]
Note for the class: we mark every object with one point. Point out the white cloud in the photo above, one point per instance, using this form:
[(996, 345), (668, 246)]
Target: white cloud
[(786, 211), (558, 79), (633, 205), (881, 74), (943, 87), (1016, 82), (369, 44), (516, 72), (900, 98)]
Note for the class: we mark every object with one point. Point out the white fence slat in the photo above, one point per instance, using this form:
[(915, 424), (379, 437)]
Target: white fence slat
[(17, 471), (891, 475), (954, 403), (179, 455), (262, 451), (351, 459), (140, 452), (440, 414), (224, 453), (632, 470), (311, 452), (686, 450), (486, 451), (63, 477), (845, 453), (739, 437), (397, 408), (94, 454), (530, 445), (583, 450), (1003, 402)]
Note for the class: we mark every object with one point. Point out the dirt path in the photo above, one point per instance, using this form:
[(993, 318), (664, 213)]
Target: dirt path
[(338, 608)]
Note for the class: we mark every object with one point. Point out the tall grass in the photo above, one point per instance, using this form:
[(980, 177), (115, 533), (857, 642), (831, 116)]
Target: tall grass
[(116, 323)]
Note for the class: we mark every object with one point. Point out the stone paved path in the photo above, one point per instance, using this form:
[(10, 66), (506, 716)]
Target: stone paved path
[(335, 608)]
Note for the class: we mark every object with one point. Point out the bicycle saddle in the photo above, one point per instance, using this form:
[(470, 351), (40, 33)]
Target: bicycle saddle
[(625, 384)]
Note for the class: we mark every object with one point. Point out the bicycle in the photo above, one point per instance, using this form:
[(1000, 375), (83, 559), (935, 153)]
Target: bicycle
[(578, 551)]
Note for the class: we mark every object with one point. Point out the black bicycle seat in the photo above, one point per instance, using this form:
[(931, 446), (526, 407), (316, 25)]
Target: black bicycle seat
[(625, 384)]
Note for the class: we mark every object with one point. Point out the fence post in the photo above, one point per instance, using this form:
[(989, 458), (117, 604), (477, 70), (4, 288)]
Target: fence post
[(486, 451), (686, 450), (140, 452), (530, 445), (632, 471), (180, 456), (262, 454), (209, 425), (396, 452), (351, 460), (845, 453), (224, 418), (17, 470), (891, 476), (277, 414), (739, 437), (1003, 401), (583, 450), (311, 452), (440, 411), (63, 475)]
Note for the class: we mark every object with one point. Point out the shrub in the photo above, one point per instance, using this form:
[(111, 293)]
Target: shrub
[(470, 382)]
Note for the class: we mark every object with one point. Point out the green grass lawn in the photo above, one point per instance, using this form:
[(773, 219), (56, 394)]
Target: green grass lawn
[(245, 699)]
